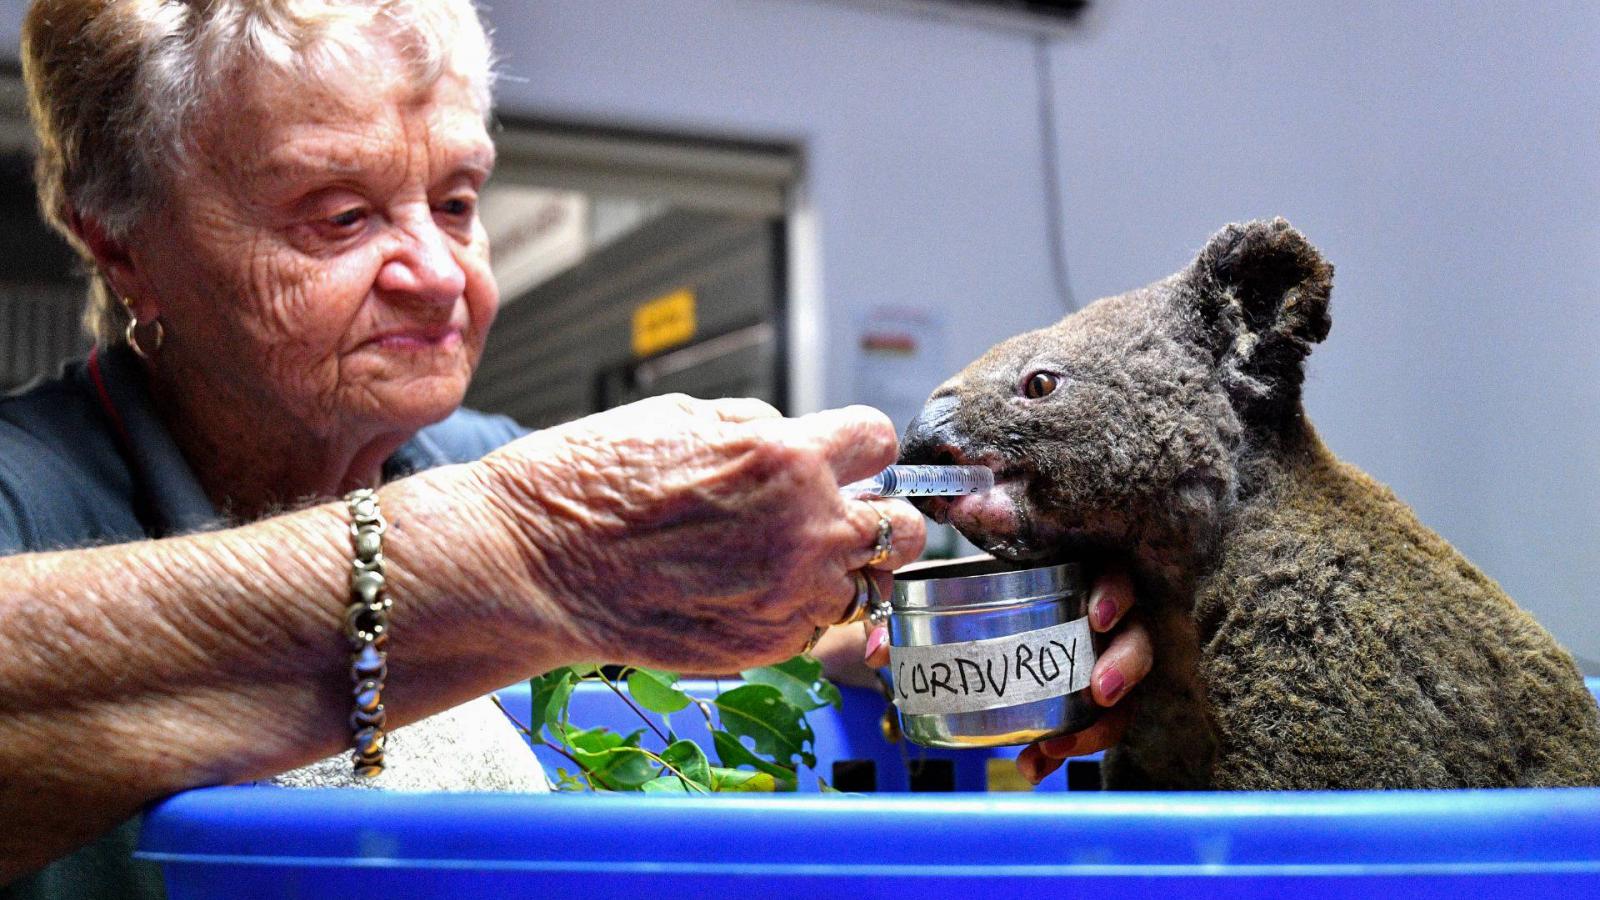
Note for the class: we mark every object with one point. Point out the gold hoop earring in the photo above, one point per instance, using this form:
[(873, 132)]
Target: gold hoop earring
[(133, 339)]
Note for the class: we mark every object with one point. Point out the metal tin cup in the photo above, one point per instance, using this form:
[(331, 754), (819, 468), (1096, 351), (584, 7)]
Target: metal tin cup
[(983, 653)]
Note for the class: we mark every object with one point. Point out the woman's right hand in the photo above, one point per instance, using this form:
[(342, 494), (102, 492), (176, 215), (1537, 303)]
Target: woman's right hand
[(698, 535)]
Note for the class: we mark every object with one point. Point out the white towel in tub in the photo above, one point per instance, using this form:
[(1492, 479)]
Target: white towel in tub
[(472, 747)]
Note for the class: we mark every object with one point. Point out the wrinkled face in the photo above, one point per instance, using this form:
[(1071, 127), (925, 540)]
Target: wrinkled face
[(1097, 427), (325, 258)]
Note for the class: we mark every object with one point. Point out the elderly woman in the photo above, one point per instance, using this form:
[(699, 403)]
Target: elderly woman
[(207, 534)]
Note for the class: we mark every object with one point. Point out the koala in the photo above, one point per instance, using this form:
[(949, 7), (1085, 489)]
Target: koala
[(1309, 631)]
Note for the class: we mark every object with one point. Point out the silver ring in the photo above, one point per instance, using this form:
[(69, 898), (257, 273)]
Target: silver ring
[(885, 544), (866, 593)]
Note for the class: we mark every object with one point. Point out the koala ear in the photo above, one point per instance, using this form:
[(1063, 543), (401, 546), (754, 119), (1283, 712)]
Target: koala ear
[(1260, 296)]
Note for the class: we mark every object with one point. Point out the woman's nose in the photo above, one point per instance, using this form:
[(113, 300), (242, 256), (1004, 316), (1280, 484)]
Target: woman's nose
[(422, 267)]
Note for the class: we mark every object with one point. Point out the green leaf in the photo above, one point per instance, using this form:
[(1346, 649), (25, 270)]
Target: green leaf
[(690, 761), (550, 694), (732, 753), (596, 740), (740, 781), (768, 712), (614, 761), (623, 769), (666, 784), (566, 781), (654, 690), (760, 712), (801, 682)]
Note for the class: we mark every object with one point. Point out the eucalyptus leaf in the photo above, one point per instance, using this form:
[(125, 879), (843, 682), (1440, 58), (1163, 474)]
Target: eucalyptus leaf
[(551, 691), (690, 761), (613, 761), (666, 784), (625, 770), (738, 780), (732, 753), (654, 690), (760, 712), (597, 740), (801, 682)]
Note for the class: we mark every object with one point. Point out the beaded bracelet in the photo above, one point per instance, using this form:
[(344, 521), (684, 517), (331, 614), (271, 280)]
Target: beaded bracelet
[(366, 625)]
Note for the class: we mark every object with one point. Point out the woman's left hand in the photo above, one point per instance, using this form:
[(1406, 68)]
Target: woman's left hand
[(1123, 664)]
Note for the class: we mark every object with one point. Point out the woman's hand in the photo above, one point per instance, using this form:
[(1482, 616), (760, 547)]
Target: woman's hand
[(1121, 665), (698, 535)]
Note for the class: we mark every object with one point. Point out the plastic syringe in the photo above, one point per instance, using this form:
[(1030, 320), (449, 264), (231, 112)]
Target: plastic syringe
[(923, 481)]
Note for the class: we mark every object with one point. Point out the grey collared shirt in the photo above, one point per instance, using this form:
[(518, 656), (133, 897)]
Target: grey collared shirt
[(84, 459)]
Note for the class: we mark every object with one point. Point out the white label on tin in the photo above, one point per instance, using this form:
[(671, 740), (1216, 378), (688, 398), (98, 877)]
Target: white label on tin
[(993, 672)]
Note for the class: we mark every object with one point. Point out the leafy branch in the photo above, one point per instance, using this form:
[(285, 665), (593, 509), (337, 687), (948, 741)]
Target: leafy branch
[(768, 709)]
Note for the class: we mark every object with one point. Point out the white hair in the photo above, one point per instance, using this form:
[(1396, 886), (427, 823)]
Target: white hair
[(116, 89)]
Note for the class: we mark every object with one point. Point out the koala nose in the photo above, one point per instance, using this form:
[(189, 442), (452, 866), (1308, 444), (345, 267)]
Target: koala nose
[(932, 438)]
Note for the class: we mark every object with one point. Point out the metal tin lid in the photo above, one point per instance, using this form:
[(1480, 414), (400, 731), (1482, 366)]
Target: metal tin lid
[(981, 581)]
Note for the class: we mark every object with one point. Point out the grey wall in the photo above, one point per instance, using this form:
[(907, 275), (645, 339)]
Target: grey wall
[(11, 12), (1443, 156)]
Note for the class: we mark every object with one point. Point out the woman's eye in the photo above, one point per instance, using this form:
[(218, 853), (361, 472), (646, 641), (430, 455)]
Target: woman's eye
[(457, 207), (1039, 384), (348, 219)]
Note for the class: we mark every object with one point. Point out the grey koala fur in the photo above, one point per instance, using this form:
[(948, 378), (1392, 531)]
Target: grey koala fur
[(1309, 632)]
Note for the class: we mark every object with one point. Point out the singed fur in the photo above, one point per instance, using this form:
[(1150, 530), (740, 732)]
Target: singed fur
[(1309, 631)]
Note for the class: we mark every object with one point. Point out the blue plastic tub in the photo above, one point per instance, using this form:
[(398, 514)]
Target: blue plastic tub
[(250, 842)]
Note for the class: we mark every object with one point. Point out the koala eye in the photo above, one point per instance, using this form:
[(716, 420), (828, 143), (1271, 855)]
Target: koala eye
[(1039, 384)]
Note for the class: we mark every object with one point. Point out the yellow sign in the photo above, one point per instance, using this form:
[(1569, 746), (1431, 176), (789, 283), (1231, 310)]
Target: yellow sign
[(664, 322)]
